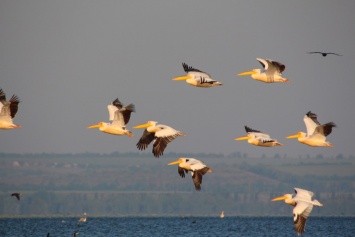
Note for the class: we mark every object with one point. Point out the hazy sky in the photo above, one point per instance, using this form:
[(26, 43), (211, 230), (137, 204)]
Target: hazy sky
[(66, 60)]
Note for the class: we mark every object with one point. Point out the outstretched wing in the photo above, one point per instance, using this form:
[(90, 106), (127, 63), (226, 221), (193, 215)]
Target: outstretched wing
[(145, 140)]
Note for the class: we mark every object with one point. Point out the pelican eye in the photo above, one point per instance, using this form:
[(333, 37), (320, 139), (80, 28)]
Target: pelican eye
[(187, 160)]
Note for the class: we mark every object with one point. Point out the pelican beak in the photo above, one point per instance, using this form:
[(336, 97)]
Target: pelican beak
[(175, 162), (241, 138), (246, 73), (182, 78), (293, 136), (279, 198), (144, 125), (94, 125)]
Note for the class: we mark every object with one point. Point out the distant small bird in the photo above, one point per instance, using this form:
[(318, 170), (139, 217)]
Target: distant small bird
[(197, 78), (8, 110), (82, 219), (17, 195), (197, 168), (324, 54), (76, 233)]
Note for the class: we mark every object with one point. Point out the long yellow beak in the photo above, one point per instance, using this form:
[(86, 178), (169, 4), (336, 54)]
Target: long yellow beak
[(175, 162), (293, 136), (246, 73), (279, 198), (94, 125), (144, 125), (241, 138), (182, 78)]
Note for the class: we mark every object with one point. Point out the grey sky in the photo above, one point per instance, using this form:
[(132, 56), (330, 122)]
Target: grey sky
[(66, 60)]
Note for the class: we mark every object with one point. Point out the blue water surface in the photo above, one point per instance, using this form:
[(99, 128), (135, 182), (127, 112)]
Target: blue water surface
[(175, 226)]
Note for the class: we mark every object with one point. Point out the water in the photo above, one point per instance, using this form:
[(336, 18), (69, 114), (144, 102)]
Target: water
[(175, 226)]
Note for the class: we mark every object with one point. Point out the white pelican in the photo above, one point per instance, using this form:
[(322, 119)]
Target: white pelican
[(197, 168), (258, 138), (162, 135), (197, 78), (324, 54), (272, 72), (222, 214), (8, 110), (119, 117), (17, 195), (82, 219), (303, 206), (316, 133)]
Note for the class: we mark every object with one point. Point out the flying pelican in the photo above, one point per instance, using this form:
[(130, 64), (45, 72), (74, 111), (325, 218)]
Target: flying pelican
[(119, 117), (162, 135), (272, 72), (197, 168), (303, 206), (8, 110), (17, 195), (197, 78), (258, 138), (324, 54), (316, 133)]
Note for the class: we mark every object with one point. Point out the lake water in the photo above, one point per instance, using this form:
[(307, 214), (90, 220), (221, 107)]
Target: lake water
[(175, 226)]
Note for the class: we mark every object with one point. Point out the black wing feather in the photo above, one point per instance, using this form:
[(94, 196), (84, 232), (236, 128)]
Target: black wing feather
[(189, 68), (248, 129), (145, 140)]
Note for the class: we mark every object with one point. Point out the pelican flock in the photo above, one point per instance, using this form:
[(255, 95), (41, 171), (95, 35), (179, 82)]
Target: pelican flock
[(258, 138), (196, 167), (197, 78), (159, 133), (303, 205), (316, 133), (8, 110), (119, 117), (272, 72)]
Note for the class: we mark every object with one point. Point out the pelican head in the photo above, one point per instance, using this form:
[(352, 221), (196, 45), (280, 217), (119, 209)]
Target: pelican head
[(146, 125), (182, 78), (297, 135), (97, 125), (254, 71), (287, 199), (180, 160)]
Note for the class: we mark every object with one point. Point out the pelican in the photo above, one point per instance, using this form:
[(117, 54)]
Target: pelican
[(197, 78), (303, 205), (119, 117), (272, 72), (8, 110), (17, 195), (82, 219), (162, 135), (197, 168), (324, 54), (258, 138), (316, 133)]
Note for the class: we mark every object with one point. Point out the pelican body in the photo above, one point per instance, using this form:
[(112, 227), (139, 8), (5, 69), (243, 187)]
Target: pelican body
[(303, 205), (197, 78), (197, 168), (82, 219), (162, 135), (258, 138), (119, 117), (316, 133), (8, 110), (272, 72)]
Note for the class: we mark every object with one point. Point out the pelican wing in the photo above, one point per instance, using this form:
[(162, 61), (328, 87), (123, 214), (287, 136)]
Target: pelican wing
[(271, 67), (118, 119), (117, 103), (112, 110), (145, 140), (324, 130), (300, 213), (311, 122), (182, 172), (162, 138), (189, 69), (126, 112), (14, 101), (2, 97), (197, 177), (248, 130)]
